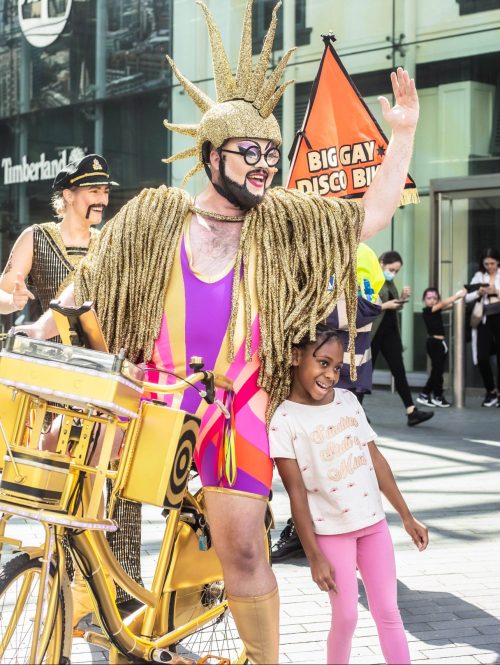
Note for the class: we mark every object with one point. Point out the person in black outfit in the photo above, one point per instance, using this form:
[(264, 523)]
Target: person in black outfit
[(432, 394), (387, 337), (486, 337)]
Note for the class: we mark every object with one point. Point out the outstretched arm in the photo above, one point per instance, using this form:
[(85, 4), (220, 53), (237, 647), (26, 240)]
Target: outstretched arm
[(14, 294), (448, 302), (382, 197), (45, 327)]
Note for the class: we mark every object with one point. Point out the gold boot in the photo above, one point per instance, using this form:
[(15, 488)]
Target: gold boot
[(82, 602), (257, 621)]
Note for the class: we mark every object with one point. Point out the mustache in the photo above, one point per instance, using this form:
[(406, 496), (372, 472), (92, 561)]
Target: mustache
[(259, 171), (96, 206)]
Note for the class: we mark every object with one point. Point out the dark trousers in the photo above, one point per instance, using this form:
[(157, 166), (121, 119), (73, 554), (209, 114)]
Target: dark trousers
[(387, 341), (437, 352), (488, 342)]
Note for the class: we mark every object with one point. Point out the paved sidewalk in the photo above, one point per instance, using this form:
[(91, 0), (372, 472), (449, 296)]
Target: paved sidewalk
[(449, 595)]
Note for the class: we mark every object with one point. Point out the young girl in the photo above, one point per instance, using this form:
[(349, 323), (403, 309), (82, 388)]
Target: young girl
[(432, 394), (333, 472)]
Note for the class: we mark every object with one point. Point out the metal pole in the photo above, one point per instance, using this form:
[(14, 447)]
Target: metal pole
[(100, 73), (289, 97), (459, 354)]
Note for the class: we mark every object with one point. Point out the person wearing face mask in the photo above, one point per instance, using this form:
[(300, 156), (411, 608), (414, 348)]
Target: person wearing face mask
[(387, 336), (486, 337)]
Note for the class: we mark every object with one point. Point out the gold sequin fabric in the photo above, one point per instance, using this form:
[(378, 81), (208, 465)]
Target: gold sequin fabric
[(53, 262), (244, 101), (302, 241)]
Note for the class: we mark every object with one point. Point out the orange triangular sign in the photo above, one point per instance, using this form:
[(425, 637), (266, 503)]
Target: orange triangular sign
[(340, 145)]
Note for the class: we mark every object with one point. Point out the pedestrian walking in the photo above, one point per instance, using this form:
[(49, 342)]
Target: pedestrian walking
[(485, 321), (387, 336), (334, 474), (437, 349)]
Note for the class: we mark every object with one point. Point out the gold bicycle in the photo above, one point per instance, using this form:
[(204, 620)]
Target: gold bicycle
[(185, 612)]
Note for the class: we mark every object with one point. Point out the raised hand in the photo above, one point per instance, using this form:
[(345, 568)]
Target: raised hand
[(21, 293), (404, 114)]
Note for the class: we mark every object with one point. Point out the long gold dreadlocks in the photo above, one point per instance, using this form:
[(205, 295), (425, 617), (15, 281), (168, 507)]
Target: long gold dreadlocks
[(302, 240)]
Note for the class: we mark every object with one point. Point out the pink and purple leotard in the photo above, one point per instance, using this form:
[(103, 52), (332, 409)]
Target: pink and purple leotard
[(195, 322)]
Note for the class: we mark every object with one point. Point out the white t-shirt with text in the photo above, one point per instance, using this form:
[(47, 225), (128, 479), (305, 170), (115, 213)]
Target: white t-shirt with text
[(330, 444)]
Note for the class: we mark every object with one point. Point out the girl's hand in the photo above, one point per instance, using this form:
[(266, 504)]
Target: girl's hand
[(418, 532), (323, 573), (460, 294)]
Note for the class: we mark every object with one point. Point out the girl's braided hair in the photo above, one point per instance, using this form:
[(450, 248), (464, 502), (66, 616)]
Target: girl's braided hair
[(323, 334)]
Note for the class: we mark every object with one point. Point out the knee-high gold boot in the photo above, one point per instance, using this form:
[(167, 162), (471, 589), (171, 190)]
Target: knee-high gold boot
[(257, 620), (82, 602)]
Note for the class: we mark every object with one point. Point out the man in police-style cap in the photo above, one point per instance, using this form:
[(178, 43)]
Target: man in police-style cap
[(42, 263), (90, 171), (46, 255)]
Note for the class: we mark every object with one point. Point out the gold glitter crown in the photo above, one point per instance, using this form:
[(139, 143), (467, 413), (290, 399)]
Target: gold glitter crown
[(245, 102)]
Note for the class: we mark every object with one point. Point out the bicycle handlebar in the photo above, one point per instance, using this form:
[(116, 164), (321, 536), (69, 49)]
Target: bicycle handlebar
[(220, 381)]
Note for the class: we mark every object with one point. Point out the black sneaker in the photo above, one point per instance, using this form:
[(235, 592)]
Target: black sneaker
[(417, 417), (288, 544), (441, 401), (426, 400), (490, 399)]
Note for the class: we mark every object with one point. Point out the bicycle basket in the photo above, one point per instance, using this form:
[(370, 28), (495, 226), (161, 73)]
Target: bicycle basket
[(37, 478)]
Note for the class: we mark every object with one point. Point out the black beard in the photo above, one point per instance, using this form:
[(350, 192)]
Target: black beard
[(238, 194)]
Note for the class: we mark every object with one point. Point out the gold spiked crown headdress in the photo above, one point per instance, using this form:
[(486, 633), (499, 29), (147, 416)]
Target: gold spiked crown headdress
[(245, 102)]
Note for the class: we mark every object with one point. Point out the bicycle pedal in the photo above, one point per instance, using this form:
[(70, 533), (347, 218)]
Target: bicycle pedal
[(165, 656), (213, 660)]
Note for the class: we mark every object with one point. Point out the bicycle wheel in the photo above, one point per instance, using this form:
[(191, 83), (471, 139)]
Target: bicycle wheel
[(219, 637), (19, 586)]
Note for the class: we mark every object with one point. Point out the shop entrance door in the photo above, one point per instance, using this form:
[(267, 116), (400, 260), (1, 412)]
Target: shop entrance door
[(465, 219)]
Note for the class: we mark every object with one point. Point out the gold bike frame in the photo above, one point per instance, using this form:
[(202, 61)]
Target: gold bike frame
[(92, 554)]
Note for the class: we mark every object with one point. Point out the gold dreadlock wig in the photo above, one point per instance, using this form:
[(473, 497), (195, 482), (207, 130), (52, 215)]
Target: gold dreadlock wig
[(299, 241)]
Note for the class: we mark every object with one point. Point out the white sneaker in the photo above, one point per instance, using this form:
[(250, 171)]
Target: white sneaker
[(426, 400), (490, 400), (441, 401)]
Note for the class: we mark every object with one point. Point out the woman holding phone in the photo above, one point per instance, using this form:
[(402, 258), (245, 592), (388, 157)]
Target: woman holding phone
[(486, 337), (387, 335)]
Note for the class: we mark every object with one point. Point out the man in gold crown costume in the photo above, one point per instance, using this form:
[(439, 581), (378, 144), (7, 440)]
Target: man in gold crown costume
[(237, 275)]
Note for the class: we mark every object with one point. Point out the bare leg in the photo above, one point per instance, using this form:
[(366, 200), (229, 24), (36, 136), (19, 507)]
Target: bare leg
[(237, 530)]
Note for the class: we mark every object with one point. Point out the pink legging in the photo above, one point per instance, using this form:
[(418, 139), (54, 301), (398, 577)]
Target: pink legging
[(371, 550)]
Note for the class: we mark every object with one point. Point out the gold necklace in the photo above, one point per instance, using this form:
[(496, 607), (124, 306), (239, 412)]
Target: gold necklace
[(216, 215)]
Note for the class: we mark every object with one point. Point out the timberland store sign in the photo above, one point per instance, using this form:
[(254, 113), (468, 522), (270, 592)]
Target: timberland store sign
[(43, 169)]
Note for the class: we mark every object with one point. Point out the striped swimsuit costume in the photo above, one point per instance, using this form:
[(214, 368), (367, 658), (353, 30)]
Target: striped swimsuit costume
[(195, 322)]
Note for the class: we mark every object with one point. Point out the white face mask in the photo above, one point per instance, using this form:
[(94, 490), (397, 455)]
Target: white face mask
[(389, 275)]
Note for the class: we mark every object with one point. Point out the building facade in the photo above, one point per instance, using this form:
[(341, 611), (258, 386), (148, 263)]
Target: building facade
[(90, 75)]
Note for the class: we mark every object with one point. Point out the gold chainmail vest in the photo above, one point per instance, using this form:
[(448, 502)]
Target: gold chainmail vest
[(53, 263)]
